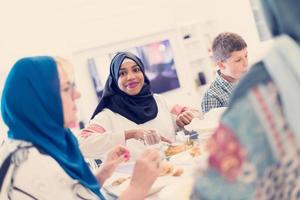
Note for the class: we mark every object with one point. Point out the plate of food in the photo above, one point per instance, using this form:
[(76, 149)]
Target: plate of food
[(116, 184), (177, 148)]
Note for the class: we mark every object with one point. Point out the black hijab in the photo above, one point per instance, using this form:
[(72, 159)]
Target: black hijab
[(138, 108), (283, 17)]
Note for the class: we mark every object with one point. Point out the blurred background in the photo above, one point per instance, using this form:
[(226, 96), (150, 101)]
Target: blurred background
[(172, 37)]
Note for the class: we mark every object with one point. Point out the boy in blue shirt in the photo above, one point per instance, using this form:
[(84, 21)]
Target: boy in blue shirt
[(231, 56)]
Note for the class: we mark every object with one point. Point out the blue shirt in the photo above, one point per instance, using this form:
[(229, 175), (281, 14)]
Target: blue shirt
[(218, 94)]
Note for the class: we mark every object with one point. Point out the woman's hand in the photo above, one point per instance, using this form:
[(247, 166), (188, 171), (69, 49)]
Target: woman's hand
[(116, 156), (184, 118), (136, 133), (139, 134), (164, 139), (146, 171)]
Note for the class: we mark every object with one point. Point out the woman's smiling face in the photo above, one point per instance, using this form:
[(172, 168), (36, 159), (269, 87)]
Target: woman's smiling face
[(131, 78)]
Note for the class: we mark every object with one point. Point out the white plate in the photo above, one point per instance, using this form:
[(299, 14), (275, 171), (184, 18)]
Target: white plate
[(116, 191), (125, 171)]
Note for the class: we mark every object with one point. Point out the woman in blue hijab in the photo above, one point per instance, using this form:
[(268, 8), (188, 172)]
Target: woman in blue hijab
[(255, 152), (41, 159)]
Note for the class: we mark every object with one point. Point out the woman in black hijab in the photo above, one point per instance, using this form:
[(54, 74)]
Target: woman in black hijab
[(129, 109), (134, 100)]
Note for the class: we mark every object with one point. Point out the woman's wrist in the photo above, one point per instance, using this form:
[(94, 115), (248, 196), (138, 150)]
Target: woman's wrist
[(101, 176), (103, 173), (129, 134)]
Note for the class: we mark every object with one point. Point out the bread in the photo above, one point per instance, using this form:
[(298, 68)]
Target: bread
[(172, 150), (177, 172), (195, 151), (167, 168), (119, 181), (175, 149)]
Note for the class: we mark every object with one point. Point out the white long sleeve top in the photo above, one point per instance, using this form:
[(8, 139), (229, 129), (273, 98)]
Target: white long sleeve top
[(107, 129), (27, 174)]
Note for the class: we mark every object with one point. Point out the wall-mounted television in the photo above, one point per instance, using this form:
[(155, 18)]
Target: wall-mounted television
[(158, 60)]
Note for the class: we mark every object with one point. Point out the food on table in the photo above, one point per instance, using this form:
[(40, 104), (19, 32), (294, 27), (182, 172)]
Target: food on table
[(167, 168), (119, 181), (195, 151), (172, 150), (175, 149), (177, 172)]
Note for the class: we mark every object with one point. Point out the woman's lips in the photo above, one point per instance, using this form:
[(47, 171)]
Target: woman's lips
[(132, 85)]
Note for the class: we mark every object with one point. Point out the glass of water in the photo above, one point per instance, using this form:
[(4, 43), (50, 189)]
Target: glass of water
[(152, 139)]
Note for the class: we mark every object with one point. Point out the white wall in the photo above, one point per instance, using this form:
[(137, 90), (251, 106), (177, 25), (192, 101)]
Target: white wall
[(237, 17), (35, 27)]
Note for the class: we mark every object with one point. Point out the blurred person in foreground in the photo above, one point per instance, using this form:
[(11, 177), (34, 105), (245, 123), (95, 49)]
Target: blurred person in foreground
[(41, 159), (254, 153)]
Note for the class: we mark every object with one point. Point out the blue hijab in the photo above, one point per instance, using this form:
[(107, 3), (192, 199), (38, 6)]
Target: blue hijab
[(138, 108), (32, 109)]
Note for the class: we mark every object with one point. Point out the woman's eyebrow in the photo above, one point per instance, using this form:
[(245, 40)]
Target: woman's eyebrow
[(133, 66)]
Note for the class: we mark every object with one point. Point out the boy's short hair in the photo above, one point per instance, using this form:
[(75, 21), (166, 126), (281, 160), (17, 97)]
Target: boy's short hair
[(226, 43)]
